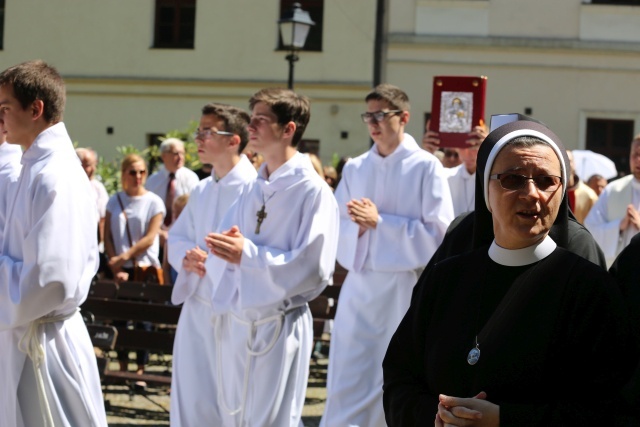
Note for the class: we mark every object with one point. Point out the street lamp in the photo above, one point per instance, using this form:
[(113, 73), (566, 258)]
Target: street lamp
[(294, 29)]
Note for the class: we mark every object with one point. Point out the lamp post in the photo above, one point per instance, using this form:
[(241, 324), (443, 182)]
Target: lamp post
[(294, 29)]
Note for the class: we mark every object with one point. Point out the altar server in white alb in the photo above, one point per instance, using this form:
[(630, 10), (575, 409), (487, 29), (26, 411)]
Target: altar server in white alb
[(615, 218), (221, 137), (276, 251), (48, 370), (10, 155), (395, 207)]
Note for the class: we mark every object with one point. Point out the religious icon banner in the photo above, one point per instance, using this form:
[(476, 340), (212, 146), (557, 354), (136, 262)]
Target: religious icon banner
[(457, 106)]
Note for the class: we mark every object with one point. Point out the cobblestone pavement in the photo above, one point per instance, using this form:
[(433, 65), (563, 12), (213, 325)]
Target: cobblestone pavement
[(151, 408)]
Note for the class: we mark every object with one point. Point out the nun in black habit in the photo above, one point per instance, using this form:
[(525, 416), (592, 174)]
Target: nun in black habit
[(520, 331), (626, 271)]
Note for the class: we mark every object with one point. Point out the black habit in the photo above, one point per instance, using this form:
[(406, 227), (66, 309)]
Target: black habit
[(555, 352), (558, 351)]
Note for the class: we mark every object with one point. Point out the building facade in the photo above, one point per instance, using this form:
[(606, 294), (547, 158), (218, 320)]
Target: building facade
[(139, 68), (574, 65)]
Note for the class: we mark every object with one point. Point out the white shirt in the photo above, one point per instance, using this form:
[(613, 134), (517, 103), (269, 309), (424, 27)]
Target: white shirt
[(102, 197), (604, 227), (292, 258), (463, 190), (195, 362), (262, 323), (139, 210), (10, 167), (410, 190), (208, 203), (186, 180)]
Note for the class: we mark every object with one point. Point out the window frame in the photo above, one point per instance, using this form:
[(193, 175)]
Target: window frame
[(2, 19), (614, 147), (178, 41)]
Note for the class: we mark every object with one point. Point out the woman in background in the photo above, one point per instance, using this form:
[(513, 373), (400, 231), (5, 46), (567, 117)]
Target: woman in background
[(132, 222)]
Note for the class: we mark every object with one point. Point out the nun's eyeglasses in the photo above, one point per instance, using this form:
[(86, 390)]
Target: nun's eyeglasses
[(512, 181)]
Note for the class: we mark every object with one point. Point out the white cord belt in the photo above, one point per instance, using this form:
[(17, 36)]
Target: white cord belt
[(30, 344), (252, 328)]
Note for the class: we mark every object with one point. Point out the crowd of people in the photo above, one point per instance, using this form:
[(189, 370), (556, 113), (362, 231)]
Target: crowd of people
[(477, 291)]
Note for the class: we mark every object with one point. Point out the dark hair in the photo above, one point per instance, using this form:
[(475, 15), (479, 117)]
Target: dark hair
[(393, 95), (36, 80), (288, 106), (235, 120)]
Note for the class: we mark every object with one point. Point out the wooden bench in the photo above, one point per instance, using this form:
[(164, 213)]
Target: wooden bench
[(103, 338), (324, 306), (134, 302)]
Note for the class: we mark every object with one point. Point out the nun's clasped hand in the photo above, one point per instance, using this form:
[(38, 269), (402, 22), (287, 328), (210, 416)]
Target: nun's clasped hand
[(474, 411)]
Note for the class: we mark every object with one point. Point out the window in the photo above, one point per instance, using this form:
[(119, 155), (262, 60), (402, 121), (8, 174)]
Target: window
[(316, 12), (1, 24), (611, 137), (615, 2), (309, 146), (175, 24)]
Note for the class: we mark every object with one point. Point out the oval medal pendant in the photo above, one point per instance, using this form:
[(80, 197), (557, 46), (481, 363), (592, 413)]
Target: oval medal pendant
[(474, 356)]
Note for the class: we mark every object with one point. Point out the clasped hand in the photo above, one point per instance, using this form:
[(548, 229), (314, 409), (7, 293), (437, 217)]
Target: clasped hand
[(632, 217), (193, 261), (364, 213), (116, 263), (475, 411), (227, 245)]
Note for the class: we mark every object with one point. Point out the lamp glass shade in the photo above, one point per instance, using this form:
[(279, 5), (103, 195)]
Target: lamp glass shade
[(300, 33), (294, 27)]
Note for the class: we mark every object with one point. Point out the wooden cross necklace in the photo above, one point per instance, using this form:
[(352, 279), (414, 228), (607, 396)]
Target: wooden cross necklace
[(262, 213)]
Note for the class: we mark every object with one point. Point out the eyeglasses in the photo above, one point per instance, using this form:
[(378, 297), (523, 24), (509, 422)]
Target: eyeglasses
[(134, 172), (512, 181), (208, 133), (377, 116)]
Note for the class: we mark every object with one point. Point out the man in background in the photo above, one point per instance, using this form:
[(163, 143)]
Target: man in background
[(597, 183), (614, 218), (89, 160), (581, 196), (174, 179)]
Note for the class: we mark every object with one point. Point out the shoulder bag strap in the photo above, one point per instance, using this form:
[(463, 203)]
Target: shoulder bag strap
[(126, 224)]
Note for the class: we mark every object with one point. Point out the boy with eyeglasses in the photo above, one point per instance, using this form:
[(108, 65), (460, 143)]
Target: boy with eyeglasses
[(395, 206), (221, 137), (276, 251)]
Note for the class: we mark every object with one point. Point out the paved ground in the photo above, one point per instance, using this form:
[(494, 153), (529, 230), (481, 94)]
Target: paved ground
[(152, 408)]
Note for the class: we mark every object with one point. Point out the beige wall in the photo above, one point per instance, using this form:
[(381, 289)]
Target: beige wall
[(566, 60), (135, 109), (114, 77)]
